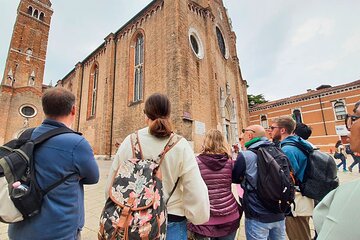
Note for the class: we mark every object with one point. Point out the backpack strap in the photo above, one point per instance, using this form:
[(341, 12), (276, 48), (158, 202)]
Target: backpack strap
[(42, 138), (174, 138), (56, 184), (26, 135), (299, 146), (172, 191), (135, 145), (23, 138), (52, 133)]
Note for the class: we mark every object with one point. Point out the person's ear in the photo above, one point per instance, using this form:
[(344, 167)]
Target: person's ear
[(282, 130), (73, 110)]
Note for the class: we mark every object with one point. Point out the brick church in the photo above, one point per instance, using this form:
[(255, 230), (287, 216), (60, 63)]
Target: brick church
[(183, 48)]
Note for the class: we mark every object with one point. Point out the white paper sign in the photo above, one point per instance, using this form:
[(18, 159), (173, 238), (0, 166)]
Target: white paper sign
[(341, 130), (199, 128)]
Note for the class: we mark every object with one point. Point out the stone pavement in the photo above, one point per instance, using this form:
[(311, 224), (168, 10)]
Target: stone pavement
[(95, 199)]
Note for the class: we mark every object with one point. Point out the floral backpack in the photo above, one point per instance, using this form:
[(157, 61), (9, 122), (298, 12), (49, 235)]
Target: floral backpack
[(135, 208)]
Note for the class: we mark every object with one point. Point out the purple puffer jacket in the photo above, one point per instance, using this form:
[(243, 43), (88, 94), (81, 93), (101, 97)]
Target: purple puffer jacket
[(216, 170)]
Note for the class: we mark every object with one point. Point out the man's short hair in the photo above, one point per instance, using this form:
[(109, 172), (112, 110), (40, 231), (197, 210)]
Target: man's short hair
[(357, 105), (303, 130), (286, 122), (57, 102)]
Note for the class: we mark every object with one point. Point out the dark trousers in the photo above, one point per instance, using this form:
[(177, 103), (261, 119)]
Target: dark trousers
[(356, 161), (343, 162)]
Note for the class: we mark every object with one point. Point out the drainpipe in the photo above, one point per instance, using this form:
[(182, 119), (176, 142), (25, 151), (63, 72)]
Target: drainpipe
[(322, 114), (113, 105), (81, 90)]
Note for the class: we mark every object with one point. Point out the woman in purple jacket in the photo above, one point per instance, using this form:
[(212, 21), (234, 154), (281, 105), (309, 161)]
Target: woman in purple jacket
[(216, 167)]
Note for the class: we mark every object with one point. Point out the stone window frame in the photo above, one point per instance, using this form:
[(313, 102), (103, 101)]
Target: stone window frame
[(30, 106), (30, 10), (264, 122), (225, 51), (36, 13), (296, 117), (41, 16), (339, 107), (93, 90), (195, 34), (137, 68)]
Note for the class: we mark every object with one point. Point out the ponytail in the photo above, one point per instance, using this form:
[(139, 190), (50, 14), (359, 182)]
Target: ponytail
[(160, 128)]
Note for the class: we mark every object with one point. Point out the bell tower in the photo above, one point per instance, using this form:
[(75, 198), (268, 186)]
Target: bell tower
[(27, 52), (22, 83)]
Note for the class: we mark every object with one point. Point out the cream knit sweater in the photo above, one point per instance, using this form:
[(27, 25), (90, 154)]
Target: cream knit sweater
[(190, 198)]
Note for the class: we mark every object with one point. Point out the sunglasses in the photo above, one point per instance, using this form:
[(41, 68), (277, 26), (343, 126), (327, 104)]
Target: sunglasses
[(349, 120), (247, 130), (272, 127)]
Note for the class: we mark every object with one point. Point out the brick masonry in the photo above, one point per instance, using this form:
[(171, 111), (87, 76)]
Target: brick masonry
[(317, 111), (206, 92)]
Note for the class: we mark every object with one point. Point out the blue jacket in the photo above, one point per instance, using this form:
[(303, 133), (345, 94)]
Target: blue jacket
[(62, 212), (246, 168), (297, 158)]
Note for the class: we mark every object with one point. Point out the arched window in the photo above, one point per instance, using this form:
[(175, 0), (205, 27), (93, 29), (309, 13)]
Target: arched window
[(221, 41), (94, 77), (264, 122), (340, 110), (30, 10), (41, 17), (28, 54), (297, 116), (139, 68), (228, 124), (32, 79), (36, 13)]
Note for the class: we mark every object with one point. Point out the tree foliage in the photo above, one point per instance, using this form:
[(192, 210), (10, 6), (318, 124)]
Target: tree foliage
[(254, 100)]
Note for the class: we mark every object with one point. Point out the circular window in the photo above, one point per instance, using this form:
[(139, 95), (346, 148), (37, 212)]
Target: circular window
[(28, 111), (221, 43), (195, 43)]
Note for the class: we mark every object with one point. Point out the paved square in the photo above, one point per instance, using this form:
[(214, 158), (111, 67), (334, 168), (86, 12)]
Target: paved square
[(95, 199)]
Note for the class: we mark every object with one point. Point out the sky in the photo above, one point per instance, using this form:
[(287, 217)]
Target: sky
[(284, 46)]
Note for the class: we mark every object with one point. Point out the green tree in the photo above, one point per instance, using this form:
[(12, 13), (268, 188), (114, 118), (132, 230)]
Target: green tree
[(254, 100)]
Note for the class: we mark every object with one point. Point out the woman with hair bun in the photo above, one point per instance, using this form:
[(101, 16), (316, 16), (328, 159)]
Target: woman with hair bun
[(181, 177)]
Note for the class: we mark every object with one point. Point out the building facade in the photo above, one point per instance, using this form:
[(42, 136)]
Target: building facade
[(324, 110), (183, 48), (22, 83)]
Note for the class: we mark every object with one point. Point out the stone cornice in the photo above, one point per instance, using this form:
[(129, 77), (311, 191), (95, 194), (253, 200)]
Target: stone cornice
[(140, 18), (201, 11)]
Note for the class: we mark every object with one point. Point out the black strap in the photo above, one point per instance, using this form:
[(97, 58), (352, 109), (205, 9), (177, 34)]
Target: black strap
[(172, 191), (26, 135), (53, 133), (54, 185), (299, 146)]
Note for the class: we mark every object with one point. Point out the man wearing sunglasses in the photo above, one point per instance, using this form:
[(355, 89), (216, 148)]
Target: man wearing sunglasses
[(282, 128), (335, 217), (260, 223)]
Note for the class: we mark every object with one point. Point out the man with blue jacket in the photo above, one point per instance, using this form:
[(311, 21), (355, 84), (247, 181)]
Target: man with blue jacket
[(260, 223), (297, 225), (62, 211)]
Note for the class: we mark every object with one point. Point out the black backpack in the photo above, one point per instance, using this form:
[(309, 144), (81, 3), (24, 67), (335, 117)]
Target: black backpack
[(275, 180), (320, 175), (17, 166)]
